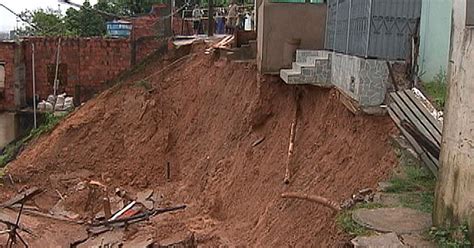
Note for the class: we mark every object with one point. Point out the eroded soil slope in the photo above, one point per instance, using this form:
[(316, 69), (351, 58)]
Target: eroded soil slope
[(202, 116)]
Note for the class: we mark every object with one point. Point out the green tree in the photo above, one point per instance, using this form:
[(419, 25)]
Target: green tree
[(88, 21), (46, 22)]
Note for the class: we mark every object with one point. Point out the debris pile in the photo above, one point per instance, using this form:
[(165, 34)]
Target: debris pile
[(58, 103), (212, 135)]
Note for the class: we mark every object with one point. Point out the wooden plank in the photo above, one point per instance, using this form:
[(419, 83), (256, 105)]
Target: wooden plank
[(425, 111), (427, 159), (424, 121), (412, 118), (27, 194)]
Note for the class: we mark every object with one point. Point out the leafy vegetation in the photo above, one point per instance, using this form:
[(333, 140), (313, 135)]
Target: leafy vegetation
[(86, 21), (452, 237), (414, 183), (11, 151), (437, 89), (143, 83)]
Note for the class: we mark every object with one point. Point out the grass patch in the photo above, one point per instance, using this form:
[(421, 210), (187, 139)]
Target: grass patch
[(414, 183), (421, 201), (143, 83), (11, 151), (437, 90), (345, 221), (452, 237)]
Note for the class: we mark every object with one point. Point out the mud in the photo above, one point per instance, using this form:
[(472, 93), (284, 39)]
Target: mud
[(202, 117)]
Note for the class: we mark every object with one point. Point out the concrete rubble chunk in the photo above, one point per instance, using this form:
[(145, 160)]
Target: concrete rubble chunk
[(398, 220), (384, 240)]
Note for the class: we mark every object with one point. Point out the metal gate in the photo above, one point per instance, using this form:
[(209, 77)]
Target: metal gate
[(372, 28)]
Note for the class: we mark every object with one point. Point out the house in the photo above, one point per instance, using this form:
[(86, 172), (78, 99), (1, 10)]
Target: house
[(435, 32), (360, 37), (281, 22)]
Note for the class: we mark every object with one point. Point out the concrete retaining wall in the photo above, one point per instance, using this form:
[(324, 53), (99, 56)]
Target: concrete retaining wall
[(365, 80), (279, 22)]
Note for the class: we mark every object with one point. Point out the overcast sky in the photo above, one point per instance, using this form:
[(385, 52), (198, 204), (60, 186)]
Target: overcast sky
[(8, 20)]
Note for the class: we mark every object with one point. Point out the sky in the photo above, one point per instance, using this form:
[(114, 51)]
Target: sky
[(8, 20)]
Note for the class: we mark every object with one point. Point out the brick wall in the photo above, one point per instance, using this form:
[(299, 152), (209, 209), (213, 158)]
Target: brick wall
[(84, 62), (7, 58), (87, 65)]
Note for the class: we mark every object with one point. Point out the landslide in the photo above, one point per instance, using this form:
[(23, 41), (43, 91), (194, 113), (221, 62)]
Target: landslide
[(202, 116)]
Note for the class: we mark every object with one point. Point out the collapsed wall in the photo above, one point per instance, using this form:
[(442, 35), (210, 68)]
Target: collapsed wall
[(202, 116)]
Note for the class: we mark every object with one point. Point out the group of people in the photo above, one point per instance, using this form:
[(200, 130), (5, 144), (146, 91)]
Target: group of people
[(226, 21)]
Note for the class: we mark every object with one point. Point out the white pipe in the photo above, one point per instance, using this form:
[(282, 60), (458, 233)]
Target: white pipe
[(55, 84), (34, 83), (125, 209)]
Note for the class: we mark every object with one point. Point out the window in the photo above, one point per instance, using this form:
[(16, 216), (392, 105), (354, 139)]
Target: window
[(2, 75), (62, 74), (469, 12)]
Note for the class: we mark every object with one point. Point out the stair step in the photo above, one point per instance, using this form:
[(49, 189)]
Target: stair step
[(287, 74), (303, 55)]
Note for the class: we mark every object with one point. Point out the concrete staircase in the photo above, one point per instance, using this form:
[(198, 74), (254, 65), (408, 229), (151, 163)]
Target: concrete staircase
[(311, 67)]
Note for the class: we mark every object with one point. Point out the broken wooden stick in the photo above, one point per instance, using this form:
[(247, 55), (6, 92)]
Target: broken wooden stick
[(313, 198), (145, 108), (22, 197), (291, 148)]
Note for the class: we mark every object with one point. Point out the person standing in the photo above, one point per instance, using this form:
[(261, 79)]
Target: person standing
[(197, 16), (232, 17)]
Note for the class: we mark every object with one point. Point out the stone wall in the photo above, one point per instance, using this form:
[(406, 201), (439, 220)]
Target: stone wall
[(364, 80)]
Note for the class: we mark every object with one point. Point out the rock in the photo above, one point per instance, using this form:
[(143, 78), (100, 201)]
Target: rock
[(398, 220), (384, 240), (145, 198), (416, 240), (387, 199)]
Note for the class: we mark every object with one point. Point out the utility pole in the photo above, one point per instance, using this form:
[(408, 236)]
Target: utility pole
[(210, 24), (454, 199)]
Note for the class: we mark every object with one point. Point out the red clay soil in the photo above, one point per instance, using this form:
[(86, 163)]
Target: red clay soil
[(202, 117)]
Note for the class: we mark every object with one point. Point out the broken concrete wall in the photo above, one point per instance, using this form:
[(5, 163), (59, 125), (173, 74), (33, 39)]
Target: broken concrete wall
[(12, 92), (454, 198), (364, 80), (279, 22)]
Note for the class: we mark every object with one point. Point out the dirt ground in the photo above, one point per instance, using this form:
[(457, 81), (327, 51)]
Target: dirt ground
[(201, 117)]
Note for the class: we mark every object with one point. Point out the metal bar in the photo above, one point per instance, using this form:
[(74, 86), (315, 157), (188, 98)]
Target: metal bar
[(335, 25), (369, 23), (348, 26), (125, 209), (55, 84), (34, 83)]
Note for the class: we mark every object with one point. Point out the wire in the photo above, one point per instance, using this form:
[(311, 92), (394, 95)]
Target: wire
[(19, 16)]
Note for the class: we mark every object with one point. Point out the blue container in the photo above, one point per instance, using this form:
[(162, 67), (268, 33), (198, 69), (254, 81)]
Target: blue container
[(119, 28), (220, 25)]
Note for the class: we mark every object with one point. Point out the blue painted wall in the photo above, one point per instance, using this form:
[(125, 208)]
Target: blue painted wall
[(435, 35)]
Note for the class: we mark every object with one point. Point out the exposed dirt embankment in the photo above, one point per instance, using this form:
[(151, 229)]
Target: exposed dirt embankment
[(202, 117)]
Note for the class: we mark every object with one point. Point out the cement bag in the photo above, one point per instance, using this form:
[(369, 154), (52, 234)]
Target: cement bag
[(68, 103), (51, 99), (42, 106), (48, 106), (60, 102)]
